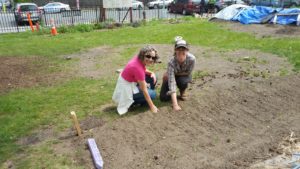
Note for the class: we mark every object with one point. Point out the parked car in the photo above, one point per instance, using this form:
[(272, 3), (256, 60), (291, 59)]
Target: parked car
[(55, 7), (21, 10), (220, 4), (184, 6), (137, 5), (159, 4), (275, 3)]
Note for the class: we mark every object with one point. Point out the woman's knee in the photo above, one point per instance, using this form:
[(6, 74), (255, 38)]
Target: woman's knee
[(152, 94)]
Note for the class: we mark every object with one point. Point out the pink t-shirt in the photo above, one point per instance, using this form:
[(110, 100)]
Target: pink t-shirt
[(134, 70)]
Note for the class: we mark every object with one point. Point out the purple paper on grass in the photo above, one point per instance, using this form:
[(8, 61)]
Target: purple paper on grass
[(98, 161)]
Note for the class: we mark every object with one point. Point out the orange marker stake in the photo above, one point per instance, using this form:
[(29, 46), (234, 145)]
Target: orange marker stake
[(30, 22)]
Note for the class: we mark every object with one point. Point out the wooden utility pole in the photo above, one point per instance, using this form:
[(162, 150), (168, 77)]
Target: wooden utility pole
[(130, 14), (77, 4), (102, 12)]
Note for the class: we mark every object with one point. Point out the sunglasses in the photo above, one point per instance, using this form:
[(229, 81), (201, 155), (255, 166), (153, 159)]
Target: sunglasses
[(150, 57)]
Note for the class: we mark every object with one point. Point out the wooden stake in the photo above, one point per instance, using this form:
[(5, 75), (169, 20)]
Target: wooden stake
[(76, 123)]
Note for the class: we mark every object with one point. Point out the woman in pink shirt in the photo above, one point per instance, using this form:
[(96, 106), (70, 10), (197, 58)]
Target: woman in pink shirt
[(132, 86)]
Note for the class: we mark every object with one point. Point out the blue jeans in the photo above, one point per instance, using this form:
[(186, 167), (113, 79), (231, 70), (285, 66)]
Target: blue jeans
[(139, 97)]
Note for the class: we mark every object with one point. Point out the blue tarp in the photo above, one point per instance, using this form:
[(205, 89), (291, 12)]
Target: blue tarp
[(257, 14), (230, 12), (290, 19)]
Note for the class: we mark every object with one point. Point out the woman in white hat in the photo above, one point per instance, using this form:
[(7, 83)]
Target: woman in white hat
[(179, 74)]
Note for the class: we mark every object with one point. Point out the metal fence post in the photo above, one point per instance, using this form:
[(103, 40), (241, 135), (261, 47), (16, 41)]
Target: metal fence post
[(97, 15), (139, 13), (130, 14), (119, 13), (72, 17), (144, 15), (16, 22), (45, 18)]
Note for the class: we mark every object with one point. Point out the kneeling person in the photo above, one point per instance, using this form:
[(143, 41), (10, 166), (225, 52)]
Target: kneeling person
[(132, 85), (179, 73)]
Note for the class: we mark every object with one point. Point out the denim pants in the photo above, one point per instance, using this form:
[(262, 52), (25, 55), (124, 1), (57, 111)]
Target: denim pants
[(139, 97), (181, 82)]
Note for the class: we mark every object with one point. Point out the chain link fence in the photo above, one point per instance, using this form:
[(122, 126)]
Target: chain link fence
[(16, 21)]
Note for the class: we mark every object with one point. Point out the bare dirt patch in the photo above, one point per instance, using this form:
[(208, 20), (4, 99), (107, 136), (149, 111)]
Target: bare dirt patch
[(102, 62), (18, 72), (238, 112), (88, 61), (14, 71), (262, 30), (221, 126)]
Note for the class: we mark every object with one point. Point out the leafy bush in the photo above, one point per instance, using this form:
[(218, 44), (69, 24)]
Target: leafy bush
[(76, 28), (84, 28), (64, 29), (44, 31), (136, 24), (101, 25)]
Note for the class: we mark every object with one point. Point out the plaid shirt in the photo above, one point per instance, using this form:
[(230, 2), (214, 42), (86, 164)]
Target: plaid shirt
[(174, 69)]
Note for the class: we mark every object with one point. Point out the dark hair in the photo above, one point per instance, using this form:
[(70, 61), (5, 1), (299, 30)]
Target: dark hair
[(146, 51)]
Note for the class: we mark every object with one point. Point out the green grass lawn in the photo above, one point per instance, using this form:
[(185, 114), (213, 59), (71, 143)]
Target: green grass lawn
[(195, 31), (23, 110)]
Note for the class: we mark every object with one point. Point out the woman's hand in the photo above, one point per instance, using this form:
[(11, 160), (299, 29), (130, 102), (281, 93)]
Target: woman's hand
[(154, 109), (143, 87), (153, 76), (176, 107)]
